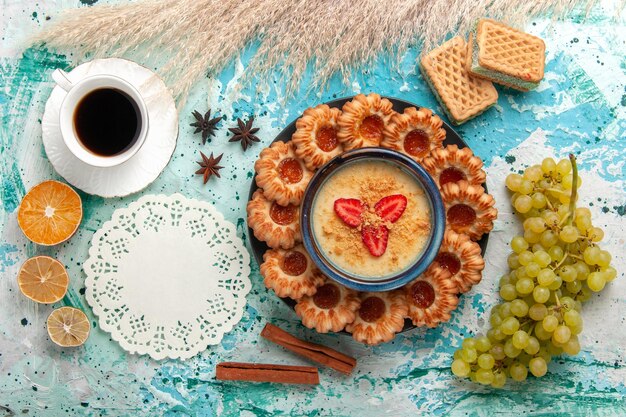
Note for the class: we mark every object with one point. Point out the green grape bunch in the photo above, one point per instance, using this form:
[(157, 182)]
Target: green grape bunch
[(555, 266)]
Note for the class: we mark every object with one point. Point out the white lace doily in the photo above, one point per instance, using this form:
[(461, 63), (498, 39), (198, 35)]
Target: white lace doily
[(167, 276)]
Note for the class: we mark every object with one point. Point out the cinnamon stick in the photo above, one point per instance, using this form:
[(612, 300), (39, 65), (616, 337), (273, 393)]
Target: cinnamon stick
[(256, 372), (317, 353)]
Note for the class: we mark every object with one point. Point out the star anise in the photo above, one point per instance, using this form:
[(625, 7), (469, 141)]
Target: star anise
[(205, 124), (245, 133), (209, 166)]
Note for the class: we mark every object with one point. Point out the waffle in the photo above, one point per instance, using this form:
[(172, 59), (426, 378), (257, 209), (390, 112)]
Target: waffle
[(461, 96), (505, 56)]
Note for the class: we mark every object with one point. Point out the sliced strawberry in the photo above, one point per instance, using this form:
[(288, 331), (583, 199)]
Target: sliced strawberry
[(349, 210), (390, 208), (375, 239)]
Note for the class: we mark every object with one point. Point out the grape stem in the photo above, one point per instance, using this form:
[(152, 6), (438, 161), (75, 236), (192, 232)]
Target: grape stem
[(525, 321), (554, 190), (572, 209), (558, 302), (567, 254), (565, 220), (572, 199)]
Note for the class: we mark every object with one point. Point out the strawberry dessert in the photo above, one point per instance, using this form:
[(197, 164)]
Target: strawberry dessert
[(371, 219)]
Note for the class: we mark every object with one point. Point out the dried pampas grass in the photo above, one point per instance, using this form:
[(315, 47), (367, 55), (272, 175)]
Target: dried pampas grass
[(197, 37)]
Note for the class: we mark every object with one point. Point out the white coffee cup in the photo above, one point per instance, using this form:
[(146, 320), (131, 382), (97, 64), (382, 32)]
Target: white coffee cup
[(75, 92)]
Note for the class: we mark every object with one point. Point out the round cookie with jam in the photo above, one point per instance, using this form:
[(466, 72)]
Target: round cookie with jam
[(363, 121), (379, 318), (272, 223), (451, 164), (316, 136), (330, 309), (460, 256), (415, 132), (281, 174), (431, 297), (469, 209), (290, 273)]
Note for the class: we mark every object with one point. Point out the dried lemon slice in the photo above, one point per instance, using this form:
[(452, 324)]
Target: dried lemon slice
[(43, 279), (68, 326), (50, 213)]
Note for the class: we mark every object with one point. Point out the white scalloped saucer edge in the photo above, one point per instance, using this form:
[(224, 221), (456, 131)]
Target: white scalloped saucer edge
[(143, 168)]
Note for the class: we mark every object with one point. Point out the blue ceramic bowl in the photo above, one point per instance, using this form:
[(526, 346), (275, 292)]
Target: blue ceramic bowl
[(437, 218)]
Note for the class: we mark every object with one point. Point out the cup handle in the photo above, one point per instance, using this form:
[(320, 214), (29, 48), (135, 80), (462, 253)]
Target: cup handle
[(60, 77)]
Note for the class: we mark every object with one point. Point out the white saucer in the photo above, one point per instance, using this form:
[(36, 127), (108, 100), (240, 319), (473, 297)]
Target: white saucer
[(144, 167)]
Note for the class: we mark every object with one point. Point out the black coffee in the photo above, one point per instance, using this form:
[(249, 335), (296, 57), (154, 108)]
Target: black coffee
[(107, 121)]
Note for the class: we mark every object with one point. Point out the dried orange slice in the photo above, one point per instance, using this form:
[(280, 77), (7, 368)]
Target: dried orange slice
[(43, 279), (68, 326), (50, 213)]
